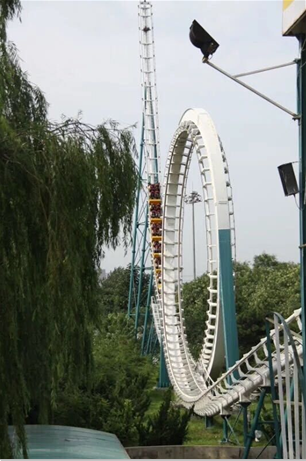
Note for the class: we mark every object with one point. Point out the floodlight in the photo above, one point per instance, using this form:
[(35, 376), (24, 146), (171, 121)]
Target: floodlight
[(193, 197), (288, 179), (201, 39)]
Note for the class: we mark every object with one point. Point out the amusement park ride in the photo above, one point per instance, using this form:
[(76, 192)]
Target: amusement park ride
[(275, 365)]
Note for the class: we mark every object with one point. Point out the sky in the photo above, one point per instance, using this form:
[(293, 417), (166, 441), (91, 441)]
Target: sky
[(84, 55)]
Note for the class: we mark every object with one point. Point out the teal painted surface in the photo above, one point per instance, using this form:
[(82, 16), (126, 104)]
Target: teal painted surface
[(148, 308), (251, 435), (228, 298), (141, 272), (136, 221), (209, 422), (163, 380), (150, 338), (63, 442), (301, 102)]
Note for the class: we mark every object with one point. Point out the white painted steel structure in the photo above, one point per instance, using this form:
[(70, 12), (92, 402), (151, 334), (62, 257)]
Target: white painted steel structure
[(290, 382), (194, 381), (149, 158), (196, 133), (148, 166), (151, 145), (149, 92), (249, 373)]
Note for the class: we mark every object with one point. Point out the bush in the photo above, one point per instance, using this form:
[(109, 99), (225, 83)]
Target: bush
[(169, 426)]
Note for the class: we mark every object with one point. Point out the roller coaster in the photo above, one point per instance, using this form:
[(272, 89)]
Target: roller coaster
[(274, 364)]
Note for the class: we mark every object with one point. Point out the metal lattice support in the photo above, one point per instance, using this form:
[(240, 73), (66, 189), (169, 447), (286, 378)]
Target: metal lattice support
[(148, 216), (157, 246), (148, 168)]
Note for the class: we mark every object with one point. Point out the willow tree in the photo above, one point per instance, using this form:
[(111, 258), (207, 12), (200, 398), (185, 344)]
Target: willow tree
[(66, 192)]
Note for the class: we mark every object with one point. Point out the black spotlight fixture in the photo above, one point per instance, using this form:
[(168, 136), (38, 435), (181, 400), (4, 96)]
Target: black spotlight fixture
[(201, 39), (288, 179)]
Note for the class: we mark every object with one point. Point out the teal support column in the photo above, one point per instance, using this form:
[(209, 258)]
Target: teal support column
[(148, 307), (142, 266), (209, 422), (149, 342), (163, 380), (251, 435), (301, 93), (244, 407), (136, 223), (228, 298), (225, 431)]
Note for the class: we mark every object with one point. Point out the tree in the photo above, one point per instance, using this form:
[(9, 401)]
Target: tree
[(267, 285), (66, 191), (119, 394), (195, 295), (115, 289), (168, 426)]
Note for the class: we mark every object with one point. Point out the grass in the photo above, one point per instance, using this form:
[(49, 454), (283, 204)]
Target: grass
[(157, 396), (198, 434)]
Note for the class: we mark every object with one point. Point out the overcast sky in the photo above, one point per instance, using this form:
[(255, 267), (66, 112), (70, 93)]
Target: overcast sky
[(85, 56)]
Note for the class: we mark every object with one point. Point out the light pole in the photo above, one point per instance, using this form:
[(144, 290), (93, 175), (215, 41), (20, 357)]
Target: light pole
[(191, 199), (201, 39), (301, 90)]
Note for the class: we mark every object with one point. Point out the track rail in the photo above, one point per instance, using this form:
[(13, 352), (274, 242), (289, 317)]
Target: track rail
[(196, 133), (249, 373), (194, 382)]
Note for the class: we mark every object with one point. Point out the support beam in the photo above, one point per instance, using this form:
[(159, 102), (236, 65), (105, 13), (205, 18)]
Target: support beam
[(141, 272), (163, 380), (250, 88), (244, 407), (228, 298), (301, 92), (148, 307), (136, 223), (251, 435)]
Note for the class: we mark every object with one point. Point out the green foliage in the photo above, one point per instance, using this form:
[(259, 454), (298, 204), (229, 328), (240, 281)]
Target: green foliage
[(8, 9), (265, 420), (115, 289), (267, 285), (195, 296), (66, 191), (80, 408), (118, 397), (118, 363), (168, 426)]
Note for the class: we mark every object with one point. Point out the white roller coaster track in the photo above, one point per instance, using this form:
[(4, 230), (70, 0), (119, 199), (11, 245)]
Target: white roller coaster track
[(248, 374), (193, 381), (196, 133)]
